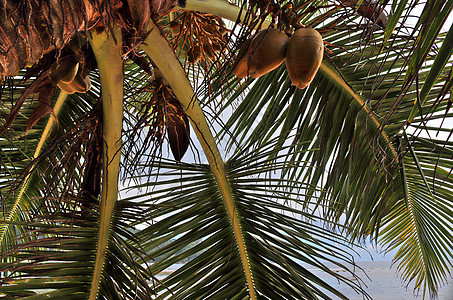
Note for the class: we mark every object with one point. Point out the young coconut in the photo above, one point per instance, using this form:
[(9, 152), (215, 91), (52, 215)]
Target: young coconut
[(304, 56), (267, 51), (264, 53)]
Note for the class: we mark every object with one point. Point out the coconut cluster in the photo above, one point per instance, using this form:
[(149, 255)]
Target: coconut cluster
[(267, 50)]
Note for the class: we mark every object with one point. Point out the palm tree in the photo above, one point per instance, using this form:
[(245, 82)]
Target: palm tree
[(287, 178)]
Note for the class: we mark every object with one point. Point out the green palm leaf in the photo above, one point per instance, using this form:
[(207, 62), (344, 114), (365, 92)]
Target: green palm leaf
[(353, 118), (420, 223), (284, 239), (54, 257), (353, 154), (20, 160)]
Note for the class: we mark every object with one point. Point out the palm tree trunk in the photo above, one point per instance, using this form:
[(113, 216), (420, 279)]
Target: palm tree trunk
[(30, 29)]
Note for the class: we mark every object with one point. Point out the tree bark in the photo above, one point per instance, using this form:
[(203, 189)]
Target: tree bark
[(31, 28)]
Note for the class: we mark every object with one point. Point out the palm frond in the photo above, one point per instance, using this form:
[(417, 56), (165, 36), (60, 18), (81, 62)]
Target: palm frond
[(21, 163), (54, 256), (355, 154), (354, 120), (284, 238), (420, 223)]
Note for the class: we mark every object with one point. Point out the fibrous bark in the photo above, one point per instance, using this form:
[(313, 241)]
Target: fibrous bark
[(31, 28)]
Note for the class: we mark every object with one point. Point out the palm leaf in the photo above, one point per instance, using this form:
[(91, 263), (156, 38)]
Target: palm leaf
[(284, 239), (420, 223), (20, 170), (333, 155), (55, 256), (353, 116)]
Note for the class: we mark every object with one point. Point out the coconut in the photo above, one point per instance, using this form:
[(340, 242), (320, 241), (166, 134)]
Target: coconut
[(241, 60), (193, 54), (267, 51), (304, 56), (261, 54), (64, 69), (178, 129)]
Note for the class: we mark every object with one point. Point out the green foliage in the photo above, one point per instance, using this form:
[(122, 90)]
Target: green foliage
[(281, 231), (313, 172)]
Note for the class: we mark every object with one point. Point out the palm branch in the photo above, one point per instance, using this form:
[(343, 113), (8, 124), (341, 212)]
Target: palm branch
[(343, 151), (284, 237)]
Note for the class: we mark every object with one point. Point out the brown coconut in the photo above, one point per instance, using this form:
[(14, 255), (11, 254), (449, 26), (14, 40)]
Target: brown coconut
[(241, 61), (64, 69), (262, 54), (304, 56)]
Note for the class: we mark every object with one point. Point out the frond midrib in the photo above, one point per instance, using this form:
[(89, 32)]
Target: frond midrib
[(45, 134), (340, 82), (158, 49)]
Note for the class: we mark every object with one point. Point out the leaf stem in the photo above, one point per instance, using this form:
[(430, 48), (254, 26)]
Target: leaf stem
[(342, 83), (107, 46), (45, 134), (158, 49), (220, 8)]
